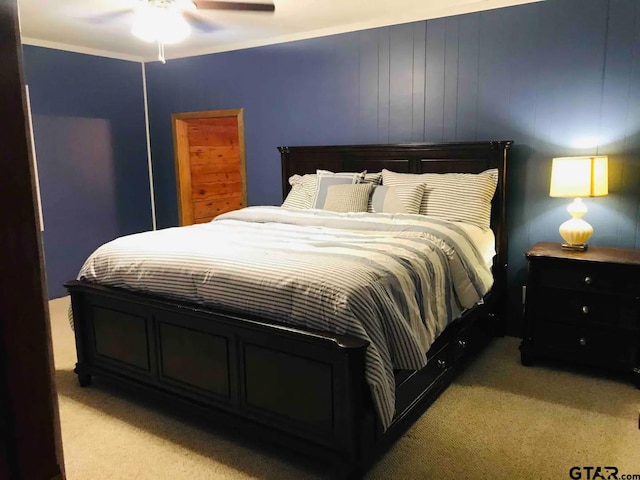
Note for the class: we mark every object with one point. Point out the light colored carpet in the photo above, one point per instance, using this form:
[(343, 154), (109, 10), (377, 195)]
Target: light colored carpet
[(499, 420)]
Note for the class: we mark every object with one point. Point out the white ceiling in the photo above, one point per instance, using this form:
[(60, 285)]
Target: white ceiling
[(72, 25)]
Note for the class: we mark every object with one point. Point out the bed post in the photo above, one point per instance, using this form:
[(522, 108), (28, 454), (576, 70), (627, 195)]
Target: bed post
[(499, 224), (284, 163)]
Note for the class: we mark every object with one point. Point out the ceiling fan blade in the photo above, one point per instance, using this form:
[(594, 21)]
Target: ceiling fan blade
[(252, 7), (110, 16), (198, 23)]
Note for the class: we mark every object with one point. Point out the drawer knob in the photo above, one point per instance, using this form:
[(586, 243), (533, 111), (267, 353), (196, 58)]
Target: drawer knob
[(585, 309), (462, 343), (442, 364), (582, 342), (588, 280)]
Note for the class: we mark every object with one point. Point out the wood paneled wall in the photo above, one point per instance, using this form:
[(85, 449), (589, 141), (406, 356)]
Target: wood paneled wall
[(89, 127), (559, 77)]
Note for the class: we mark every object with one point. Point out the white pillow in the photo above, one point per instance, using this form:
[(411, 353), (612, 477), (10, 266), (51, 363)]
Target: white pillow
[(358, 177), (348, 198)]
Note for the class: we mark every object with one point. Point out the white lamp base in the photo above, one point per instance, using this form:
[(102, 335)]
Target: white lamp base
[(576, 248), (576, 231)]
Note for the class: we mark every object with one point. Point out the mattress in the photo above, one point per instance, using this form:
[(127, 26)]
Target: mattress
[(394, 280)]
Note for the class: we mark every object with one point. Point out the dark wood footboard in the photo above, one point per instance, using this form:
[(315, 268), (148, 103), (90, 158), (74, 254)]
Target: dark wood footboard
[(308, 389)]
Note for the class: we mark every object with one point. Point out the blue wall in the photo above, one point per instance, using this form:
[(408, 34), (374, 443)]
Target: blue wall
[(88, 119), (551, 76)]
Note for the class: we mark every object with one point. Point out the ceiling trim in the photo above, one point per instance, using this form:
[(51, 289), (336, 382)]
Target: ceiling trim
[(398, 19), (471, 6), (78, 49)]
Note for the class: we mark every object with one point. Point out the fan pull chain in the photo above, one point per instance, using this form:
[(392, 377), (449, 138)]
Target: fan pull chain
[(161, 52)]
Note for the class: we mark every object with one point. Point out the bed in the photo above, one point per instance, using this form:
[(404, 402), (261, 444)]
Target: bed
[(267, 366)]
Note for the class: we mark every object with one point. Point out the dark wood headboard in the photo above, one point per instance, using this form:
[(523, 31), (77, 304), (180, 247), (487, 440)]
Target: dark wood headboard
[(464, 157)]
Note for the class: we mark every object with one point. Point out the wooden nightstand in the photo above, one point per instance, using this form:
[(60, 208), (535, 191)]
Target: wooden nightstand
[(583, 307)]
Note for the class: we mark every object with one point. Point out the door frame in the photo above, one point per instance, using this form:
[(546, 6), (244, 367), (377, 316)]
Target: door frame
[(30, 436), (180, 122)]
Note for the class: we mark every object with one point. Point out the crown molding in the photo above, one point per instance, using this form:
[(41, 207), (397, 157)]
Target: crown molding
[(79, 49)]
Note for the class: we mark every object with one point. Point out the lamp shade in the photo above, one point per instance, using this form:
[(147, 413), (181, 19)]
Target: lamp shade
[(579, 177)]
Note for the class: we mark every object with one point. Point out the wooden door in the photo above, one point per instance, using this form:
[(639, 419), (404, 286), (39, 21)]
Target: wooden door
[(210, 166)]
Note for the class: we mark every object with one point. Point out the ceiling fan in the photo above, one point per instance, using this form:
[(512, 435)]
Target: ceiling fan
[(169, 21)]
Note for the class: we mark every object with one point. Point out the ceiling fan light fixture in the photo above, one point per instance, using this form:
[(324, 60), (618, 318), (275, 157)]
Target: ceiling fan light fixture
[(159, 24), (185, 5)]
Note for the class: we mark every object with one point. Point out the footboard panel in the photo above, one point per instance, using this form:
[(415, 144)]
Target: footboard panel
[(308, 387)]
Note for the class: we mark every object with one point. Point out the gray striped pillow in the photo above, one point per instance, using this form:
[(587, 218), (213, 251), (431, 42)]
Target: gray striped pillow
[(303, 190), (374, 178), (397, 199), (461, 197), (348, 198), (394, 179), (458, 197), (326, 179)]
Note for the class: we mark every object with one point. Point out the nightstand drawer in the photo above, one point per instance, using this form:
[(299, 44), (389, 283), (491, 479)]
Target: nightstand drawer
[(590, 278), (588, 345), (589, 309)]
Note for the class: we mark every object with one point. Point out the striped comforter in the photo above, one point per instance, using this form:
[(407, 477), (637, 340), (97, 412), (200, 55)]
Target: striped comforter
[(393, 280)]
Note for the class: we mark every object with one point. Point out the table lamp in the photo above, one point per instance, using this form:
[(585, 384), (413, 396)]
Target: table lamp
[(578, 177)]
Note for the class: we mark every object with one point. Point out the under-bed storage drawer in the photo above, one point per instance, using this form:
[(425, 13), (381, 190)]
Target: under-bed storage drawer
[(408, 384), (472, 337)]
